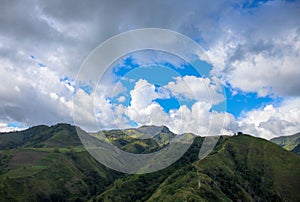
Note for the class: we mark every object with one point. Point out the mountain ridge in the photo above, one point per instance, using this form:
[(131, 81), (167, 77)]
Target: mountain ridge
[(240, 167)]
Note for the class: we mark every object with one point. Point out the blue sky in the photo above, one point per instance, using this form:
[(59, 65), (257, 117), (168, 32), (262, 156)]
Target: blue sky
[(127, 71)]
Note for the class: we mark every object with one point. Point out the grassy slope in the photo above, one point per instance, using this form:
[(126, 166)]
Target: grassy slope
[(241, 168), (69, 175), (245, 168), (14, 139), (287, 142), (60, 135), (50, 164), (47, 164), (141, 187)]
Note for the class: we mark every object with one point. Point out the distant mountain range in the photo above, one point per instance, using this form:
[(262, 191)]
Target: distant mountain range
[(46, 163)]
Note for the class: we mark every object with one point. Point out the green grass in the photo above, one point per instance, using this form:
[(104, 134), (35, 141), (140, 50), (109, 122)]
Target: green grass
[(24, 171), (58, 149)]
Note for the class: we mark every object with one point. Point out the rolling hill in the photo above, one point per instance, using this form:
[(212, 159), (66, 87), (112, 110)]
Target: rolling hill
[(46, 163)]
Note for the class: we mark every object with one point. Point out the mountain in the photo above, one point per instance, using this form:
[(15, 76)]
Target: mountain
[(145, 139), (241, 168), (49, 164), (60, 135), (46, 163), (290, 143)]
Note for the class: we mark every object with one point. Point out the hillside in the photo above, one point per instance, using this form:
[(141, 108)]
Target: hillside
[(296, 150), (288, 142), (60, 135), (241, 168), (46, 163), (140, 140), (49, 164)]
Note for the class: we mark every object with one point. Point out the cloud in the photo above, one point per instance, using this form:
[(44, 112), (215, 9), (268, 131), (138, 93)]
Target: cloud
[(255, 54), (272, 121), (198, 119), (121, 99), (33, 95), (150, 58), (143, 109), (4, 127), (197, 88), (245, 45)]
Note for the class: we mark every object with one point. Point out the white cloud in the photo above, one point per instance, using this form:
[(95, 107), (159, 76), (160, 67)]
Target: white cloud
[(199, 120), (5, 128), (197, 88), (143, 109), (121, 99), (254, 49), (272, 121), (33, 95), (255, 54)]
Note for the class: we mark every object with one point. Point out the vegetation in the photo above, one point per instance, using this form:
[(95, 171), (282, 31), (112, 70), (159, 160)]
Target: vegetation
[(242, 168), (50, 164), (290, 143)]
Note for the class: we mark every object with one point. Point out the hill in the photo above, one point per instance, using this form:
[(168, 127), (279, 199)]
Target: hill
[(46, 163), (49, 164), (288, 142), (60, 135), (241, 168), (144, 139)]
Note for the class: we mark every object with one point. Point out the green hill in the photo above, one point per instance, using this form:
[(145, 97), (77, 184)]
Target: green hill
[(241, 168), (140, 140), (60, 135), (287, 142), (49, 164)]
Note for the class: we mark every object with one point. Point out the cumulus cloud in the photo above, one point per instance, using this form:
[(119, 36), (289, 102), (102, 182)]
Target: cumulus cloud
[(198, 119), (197, 88), (142, 107), (272, 121)]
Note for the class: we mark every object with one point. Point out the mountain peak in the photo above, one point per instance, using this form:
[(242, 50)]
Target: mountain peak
[(152, 130)]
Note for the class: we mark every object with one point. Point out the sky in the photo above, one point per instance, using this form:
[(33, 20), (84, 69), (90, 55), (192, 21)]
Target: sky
[(249, 78)]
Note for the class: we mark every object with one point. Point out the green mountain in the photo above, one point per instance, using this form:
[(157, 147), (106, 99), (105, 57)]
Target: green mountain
[(49, 164), (60, 135), (241, 168), (145, 139), (288, 142)]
